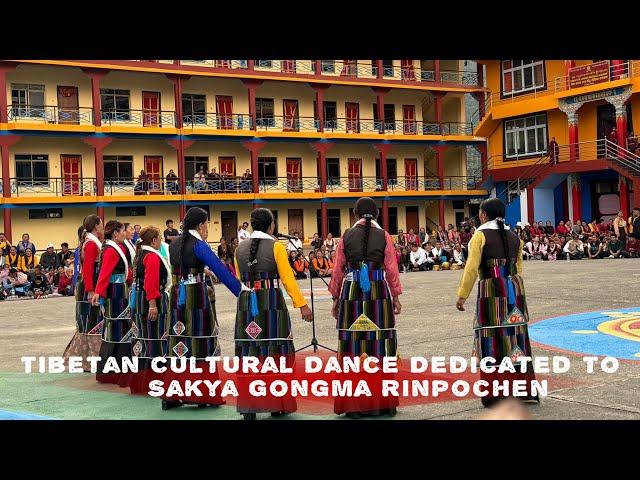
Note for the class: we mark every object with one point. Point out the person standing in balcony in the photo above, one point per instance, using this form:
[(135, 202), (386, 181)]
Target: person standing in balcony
[(366, 290), (172, 182), (553, 150), (142, 184), (500, 326)]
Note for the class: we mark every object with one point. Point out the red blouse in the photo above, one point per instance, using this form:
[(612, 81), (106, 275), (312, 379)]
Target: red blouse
[(151, 264), (110, 260), (91, 254)]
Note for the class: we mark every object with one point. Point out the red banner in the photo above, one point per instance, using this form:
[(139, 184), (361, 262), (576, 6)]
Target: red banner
[(589, 74)]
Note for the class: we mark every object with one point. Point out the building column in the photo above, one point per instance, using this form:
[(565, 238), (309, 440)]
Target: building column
[(383, 150), (5, 67), (96, 76), (6, 142), (319, 88), (318, 64), (99, 144), (437, 109), (380, 92), (530, 208), (436, 71), (181, 145), (441, 219), (254, 148), (439, 151), (624, 195), (620, 104), (571, 111), (482, 150), (322, 148), (324, 218), (252, 85), (251, 64), (380, 65), (177, 81), (576, 198)]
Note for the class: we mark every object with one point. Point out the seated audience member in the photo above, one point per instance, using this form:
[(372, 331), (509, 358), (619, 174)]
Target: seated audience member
[(64, 254), (405, 260), (292, 257), (401, 239), (562, 228), (412, 238), (458, 255), (5, 245), (465, 235), (533, 249), (423, 236), (330, 244), (548, 228), (320, 265), (4, 273), (574, 248), (616, 249), (13, 258), (533, 230), (604, 247), (418, 259), (544, 248), (316, 242), (24, 244), (593, 226), (454, 236), (592, 248), (28, 262), (40, 286), (16, 283), (552, 250), (49, 263), (300, 266), (439, 254)]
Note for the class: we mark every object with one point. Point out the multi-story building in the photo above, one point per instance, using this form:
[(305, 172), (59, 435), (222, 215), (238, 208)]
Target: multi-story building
[(303, 137), (589, 107)]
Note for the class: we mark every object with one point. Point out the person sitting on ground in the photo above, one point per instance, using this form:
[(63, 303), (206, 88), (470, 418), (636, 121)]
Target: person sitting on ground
[(405, 259), (548, 228), (294, 243), (24, 244), (401, 239), (28, 262), (423, 236), (594, 248), (616, 248), (533, 248), (454, 235), (418, 259), (64, 254), (300, 265), (49, 262), (439, 254), (458, 255), (465, 235), (320, 265), (552, 250), (5, 245), (16, 283), (412, 238), (543, 248), (562, 228), (13, 259), (316, 242), (4, 273), (330, 243), (574, 248), (40, 286)]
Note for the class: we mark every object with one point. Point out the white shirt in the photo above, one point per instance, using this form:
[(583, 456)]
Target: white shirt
[(243, 235), (458, 256), (437, 253), (419, 256), (294, 245)]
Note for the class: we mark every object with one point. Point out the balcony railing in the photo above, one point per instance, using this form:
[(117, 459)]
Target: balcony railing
[(144, 118), (235, 121), (50, 114), (59, 187), (405, 127)]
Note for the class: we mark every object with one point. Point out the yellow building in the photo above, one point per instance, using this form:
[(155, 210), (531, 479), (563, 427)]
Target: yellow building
[(589, 107), (305, 138)]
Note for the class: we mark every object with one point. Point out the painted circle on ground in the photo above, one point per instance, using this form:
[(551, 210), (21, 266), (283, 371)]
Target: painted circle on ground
[(614, 333)]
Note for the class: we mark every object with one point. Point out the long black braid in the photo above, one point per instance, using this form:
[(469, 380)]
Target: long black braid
[(366, 208), (110, 228), (194, 217), (261, 220), (494, 209)]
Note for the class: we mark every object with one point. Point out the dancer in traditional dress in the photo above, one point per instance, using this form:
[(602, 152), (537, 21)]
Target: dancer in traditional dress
[(500, 324), (112, 293), (193, 330), (365, 286), (128, 242), (152, 281), (88, 337), (263, 326)]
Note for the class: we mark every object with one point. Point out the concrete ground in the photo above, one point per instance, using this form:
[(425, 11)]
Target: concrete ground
[(428, 326)]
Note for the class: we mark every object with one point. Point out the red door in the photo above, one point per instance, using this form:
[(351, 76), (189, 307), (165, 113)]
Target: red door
[(289, 66), (71, 174), (352, 112), (406, 66), (150, 109), (355, 174), (294, 174), (349, 68), (411, 173), (153, 168), (224, 109), (68, 111), (290, 108), (227, 166), (409, 119)]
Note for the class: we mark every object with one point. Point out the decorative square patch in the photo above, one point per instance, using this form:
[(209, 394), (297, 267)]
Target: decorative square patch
[(253, 330), (180, 349), (137, 348), (514, 317), (179, 327)]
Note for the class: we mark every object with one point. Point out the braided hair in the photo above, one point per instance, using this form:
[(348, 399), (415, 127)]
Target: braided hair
[(366, 208), (261, 220), (194, 217), (494, 209)]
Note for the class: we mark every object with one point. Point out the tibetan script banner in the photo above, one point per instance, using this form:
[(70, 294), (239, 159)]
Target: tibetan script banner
[(589, 74)]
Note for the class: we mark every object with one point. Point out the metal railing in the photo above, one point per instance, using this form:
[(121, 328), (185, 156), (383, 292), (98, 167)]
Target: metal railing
[(56, 187), (233, 64), (144, 118), (610, 73), (405, 127), (235, 121), (220, 185), (290, 124), (50, 114)]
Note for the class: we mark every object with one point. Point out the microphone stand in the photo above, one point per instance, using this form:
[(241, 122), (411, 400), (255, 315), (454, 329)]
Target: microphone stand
[(314, 341)]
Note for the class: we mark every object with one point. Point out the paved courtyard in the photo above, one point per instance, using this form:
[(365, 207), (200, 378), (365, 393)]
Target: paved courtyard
[(428, 326)]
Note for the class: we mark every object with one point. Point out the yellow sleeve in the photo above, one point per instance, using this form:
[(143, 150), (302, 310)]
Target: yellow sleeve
[(519, 260), (235, 262), (286, 275), (476, 244)]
